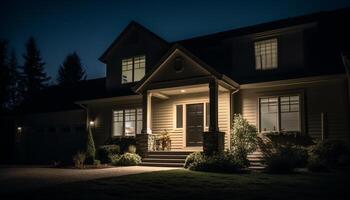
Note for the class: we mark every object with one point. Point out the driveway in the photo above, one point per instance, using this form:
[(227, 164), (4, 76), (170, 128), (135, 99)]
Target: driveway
[(17, 179)]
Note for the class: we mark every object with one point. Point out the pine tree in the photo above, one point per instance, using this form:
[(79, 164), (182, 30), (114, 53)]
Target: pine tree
[(71, 70), (15, 96), (4, 74), (35, 78), (90, 147)]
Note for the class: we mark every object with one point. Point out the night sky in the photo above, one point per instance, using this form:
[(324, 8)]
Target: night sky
[(89, 27)]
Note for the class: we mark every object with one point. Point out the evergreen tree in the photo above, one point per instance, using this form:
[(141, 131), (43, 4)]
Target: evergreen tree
[(71, 70), (4, 75), (15, 96), (35, 78), (90, 147)]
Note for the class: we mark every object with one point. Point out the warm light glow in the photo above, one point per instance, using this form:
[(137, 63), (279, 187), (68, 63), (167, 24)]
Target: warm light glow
[(182, 91), (92, 123), (19, 128)]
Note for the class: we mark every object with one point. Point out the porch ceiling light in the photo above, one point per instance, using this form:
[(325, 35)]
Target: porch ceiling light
[(182, 91), (19, 129)]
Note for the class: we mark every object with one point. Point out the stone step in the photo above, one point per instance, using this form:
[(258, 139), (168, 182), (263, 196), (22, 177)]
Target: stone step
[(163, 160), (168, 156), (185, 153), (157, 164), (257, 168)]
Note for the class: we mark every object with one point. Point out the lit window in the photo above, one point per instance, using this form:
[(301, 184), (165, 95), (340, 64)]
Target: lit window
[(127, 122), (266, 54), (179, 116), (127, 70), (280, 113), (118, 123), (139, 121), (139, 67), (290, 120), (133, 69)]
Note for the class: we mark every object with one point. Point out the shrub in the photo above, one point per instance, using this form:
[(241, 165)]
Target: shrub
[(132, 149), (224, 162), (127, 159), (332, 153), (105, 152), (315, 164), (193, 158), (285, 158), (123, 142), (243, 139), (79, 159), (90, 148), (97, 162)]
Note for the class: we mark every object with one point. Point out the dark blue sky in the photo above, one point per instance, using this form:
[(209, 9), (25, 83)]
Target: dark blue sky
[(89, 27)]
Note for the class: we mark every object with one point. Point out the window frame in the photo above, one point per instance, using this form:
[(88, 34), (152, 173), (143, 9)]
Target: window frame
[(136, 120), (133, 67), (279, 95), (264, 42)]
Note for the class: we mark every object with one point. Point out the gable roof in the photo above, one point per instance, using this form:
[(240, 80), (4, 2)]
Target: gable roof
[(202, 64), (132, 24)]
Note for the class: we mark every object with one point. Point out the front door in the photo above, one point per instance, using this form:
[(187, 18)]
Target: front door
[(194, 124)]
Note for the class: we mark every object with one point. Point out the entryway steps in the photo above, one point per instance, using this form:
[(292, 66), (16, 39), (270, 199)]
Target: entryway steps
[(255, 160), (165, 158), (177, 159)]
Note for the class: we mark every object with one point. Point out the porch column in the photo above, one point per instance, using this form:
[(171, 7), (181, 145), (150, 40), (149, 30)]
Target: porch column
[(213, 140), (143, 140), (147, 112), (213, 103)]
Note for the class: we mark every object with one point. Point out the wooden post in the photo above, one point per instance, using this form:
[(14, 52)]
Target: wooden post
[(213, 103)]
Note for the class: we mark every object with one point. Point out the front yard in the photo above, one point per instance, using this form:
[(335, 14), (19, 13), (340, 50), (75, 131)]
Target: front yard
[(184, 184)]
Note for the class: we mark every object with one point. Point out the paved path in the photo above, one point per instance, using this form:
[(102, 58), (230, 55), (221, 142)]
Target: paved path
[(16, 179)]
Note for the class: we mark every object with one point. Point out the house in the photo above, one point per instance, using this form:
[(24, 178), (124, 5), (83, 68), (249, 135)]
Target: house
[(282, 76)]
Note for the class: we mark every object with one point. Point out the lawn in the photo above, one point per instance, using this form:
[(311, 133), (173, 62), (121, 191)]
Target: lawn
[(184, 184)]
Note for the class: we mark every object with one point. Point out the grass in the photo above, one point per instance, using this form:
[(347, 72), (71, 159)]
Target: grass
[(184, 184)]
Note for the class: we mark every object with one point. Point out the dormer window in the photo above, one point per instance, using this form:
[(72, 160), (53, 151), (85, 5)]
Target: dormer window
[(266, 54), (133, 69)]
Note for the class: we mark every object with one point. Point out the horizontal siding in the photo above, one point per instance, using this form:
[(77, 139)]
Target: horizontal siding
[(163, 115), (328, 97)]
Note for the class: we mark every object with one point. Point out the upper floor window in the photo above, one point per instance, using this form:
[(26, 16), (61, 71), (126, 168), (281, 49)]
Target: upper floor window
[(280, 113), (266, 54), (133, 69)]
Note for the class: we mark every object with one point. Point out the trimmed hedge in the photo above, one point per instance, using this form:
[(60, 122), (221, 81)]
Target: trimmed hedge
[(225, 162), (127, 159)]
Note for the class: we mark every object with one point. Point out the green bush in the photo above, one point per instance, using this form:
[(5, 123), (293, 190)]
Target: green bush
[(132, 149), (243, 139), (79, 159), (315, 164), (194, 157), (332, 153), (285, 158), (224, 162), (97, 162), (105, 152), (127, 159), (90, 148)]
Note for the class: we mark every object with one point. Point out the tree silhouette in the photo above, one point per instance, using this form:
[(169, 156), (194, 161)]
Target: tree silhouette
[(71, 70), (4, 74), (35, 78), (15, 83)]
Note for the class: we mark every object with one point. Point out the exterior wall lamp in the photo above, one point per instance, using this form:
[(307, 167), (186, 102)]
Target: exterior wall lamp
[(92, 123)]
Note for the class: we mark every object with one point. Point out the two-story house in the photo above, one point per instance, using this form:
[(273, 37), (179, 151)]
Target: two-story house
[(282, 76)]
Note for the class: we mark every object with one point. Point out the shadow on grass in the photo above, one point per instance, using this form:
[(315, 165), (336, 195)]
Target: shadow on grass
[(184, 184)]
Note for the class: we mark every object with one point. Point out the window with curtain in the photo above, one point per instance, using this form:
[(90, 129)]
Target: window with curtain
[(118, 120), (133, 69), (266, 54), (280, 113)]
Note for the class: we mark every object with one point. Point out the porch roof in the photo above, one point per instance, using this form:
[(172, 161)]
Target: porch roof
[(177, 47)]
